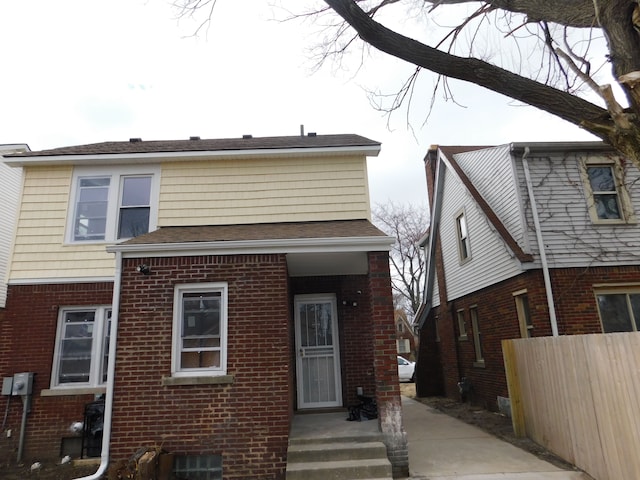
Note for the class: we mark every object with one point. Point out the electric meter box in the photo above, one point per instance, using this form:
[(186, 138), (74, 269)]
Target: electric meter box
[(22, 383)]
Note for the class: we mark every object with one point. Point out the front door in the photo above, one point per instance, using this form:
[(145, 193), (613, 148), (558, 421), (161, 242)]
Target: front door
[(318, 355)]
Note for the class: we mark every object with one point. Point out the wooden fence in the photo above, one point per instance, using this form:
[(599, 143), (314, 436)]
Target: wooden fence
[(579, 397)]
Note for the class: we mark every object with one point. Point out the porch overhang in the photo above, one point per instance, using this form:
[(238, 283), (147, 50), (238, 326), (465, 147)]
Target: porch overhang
[(311, 248)]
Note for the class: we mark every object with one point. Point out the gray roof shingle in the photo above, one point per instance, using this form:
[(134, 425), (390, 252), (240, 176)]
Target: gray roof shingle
[(200, 145), (282, 231)]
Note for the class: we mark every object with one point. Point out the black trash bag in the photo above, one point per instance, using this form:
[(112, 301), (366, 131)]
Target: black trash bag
[(367, 409)]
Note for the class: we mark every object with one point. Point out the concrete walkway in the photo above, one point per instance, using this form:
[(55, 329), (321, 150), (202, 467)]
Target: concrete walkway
[(444, 448)]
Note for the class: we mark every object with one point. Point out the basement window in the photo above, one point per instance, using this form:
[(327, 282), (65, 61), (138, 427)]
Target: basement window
[(198, 467)]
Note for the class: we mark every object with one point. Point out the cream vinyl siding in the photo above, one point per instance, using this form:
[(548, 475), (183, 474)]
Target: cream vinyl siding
[(10, 181), (492, 172), (490, 262), (222, 192), (570, 237), (40, 252)]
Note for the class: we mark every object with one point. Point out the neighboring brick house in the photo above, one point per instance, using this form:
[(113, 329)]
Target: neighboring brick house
[(488, 277), (405, 336), (240, 280)]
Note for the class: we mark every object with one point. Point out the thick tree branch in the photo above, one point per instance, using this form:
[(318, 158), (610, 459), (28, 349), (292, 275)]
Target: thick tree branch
[(564, 105), (572, 13)]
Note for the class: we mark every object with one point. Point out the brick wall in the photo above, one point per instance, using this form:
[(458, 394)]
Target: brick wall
[(576, 312), (28, 332), (247, 422)]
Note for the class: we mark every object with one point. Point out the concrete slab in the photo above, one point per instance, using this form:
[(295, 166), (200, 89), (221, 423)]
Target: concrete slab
[(444, 448)]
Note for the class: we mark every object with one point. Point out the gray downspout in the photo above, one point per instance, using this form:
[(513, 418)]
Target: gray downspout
[(543, 255), (111, 368)]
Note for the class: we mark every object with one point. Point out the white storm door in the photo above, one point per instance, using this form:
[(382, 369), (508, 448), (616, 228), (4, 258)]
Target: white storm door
[(317, 352)]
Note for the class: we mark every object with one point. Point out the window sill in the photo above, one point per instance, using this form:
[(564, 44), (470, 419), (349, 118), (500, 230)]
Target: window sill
[(199, 380), (479, 364), (59, 392), (462, 337)]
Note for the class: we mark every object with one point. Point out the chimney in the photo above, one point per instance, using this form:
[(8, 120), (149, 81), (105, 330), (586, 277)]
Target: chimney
[(135, 140)]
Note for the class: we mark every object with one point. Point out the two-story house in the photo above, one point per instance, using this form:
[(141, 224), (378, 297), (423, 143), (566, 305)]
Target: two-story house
[(210, 290), (527, 239)]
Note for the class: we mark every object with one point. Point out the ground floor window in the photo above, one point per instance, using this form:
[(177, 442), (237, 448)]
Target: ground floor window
[(619, 310), (200, 329), (82, 347), (524, 314), (198, 467), (477, 337)]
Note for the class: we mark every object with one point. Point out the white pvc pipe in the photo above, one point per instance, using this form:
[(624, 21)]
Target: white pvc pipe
[(543, 255), (111, 368)]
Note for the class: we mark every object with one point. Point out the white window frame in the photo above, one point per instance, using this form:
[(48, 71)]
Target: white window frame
[(116, 176), (523, 311), (462, 239), (477, 337), (627, 214), (99, 335), (179, 291)]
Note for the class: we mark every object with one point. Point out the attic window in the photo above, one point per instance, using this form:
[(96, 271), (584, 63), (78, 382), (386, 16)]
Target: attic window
[(462, 234)]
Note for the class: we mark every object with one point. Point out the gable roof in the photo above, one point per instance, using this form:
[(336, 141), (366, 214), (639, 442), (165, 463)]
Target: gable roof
[(196, 147), (449, 153)]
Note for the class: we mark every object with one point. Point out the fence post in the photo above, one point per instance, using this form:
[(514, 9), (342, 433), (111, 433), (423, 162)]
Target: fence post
[(513, 384)]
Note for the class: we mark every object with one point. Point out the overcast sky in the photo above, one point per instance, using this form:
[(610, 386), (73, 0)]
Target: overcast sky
[(84, 71)]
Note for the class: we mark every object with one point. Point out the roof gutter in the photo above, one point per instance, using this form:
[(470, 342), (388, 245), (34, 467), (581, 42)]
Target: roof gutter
[(543, 255), (111, 369), (298, 245)]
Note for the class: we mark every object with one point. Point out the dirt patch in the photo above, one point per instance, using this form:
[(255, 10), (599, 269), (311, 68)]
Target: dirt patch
[(494, 423)]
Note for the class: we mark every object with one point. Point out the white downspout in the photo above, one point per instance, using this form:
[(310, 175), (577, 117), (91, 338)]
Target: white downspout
[(543, 255), (111, 369)]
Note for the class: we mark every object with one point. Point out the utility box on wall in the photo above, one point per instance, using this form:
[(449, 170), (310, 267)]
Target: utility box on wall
[(7, 385), (22, 383)]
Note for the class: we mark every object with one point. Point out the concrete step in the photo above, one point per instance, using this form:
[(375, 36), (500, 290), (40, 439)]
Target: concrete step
[(370, 468), (320, 452)]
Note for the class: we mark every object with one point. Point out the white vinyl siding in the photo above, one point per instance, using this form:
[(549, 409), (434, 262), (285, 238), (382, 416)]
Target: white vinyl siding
[(10, 183), (570, 237), (492, 172), (492, 261), (264, 190)]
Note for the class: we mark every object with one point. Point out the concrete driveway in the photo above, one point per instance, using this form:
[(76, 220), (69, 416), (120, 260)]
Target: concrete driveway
[(444, 448)]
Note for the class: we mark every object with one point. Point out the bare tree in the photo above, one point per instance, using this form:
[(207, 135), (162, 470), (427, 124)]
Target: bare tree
[(407, 224), (562, 80), (557, 24)]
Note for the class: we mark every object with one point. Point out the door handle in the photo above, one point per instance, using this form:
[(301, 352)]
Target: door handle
[(302, 353)]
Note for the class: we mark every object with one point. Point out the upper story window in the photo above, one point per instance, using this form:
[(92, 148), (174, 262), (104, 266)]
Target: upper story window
[(464, 248), (200, 329), (113, 205), (82, 347), (607, 197)]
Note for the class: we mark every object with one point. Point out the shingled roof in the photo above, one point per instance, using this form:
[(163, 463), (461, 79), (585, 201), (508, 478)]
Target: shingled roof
[(261, 231), (195, 144)]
